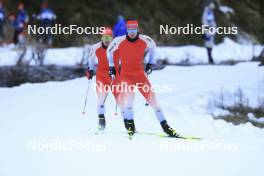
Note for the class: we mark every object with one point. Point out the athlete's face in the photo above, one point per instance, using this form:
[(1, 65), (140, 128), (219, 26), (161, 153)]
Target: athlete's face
[(132, 33), (20, 7), (107, 39)]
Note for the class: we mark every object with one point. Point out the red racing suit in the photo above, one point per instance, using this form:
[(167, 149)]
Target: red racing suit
[(132, 54), (104, 83)]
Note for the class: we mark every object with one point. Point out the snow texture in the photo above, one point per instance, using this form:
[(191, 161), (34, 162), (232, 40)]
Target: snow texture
[(43, 132)]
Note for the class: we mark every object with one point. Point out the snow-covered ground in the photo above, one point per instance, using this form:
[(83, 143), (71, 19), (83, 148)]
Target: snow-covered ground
[(226, 51), (41, 115)]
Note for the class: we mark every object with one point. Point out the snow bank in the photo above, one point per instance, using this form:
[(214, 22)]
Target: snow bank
[(228, 50), (252, 118)]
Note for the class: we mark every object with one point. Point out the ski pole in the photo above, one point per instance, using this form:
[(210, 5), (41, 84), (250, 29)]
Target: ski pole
[(108, 91), (146, 104), (116, 110), (87, 91)]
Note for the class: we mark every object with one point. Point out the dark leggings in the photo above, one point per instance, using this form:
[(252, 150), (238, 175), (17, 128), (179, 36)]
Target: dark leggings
[(210, 57)]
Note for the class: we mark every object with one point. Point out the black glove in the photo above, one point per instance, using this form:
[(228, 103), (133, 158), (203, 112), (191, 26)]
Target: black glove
[(89, 74), (148, 69), (112, 72)]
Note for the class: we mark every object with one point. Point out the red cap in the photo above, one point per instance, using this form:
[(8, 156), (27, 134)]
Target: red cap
[(132, 24), (108, 31)]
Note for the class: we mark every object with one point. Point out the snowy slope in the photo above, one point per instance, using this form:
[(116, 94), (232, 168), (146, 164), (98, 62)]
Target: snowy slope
[(51, 113), (226, 51)]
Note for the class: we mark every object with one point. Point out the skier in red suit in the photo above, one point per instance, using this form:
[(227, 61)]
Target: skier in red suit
[(104, 83), (132, 50)]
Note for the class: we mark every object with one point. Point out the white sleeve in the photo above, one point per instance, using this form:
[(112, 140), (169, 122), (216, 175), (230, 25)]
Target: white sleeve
[(151, 47), (112, 48), (204, 17), (208, 18), (92, 56)]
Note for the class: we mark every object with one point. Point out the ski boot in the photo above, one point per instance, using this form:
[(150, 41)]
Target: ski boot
[(168, 130), (101, 122), (130, 126)]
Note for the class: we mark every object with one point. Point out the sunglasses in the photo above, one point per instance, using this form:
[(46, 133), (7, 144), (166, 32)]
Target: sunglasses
[(130, 31), (107, 38)]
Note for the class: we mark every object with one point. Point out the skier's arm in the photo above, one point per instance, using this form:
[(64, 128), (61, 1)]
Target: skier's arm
[(208, 18), (92, 57), (111, 49), (204, 17), (110, 58), (151, 47), (91, 60), (151, 56), (110, 54), (90, 70)]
